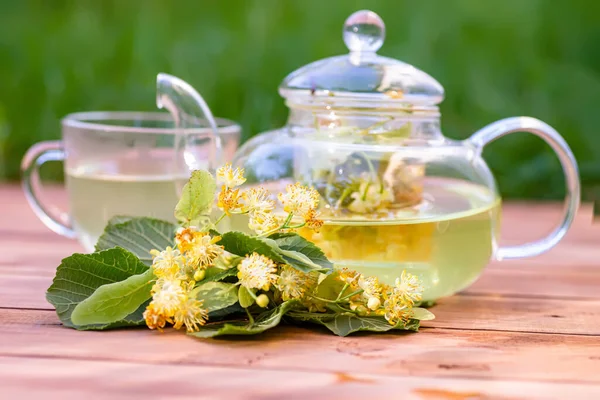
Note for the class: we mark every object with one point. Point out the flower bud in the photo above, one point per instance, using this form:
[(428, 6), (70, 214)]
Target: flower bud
[(373, 303), (362, 310), (199, 275), (262, 300)]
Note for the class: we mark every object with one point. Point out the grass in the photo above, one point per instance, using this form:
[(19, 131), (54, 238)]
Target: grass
[(495, 59)]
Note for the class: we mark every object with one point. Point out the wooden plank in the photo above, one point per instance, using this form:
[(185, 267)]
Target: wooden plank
[(433, 352), (58, 378), (569, 283), (465, 311), (543, 315)]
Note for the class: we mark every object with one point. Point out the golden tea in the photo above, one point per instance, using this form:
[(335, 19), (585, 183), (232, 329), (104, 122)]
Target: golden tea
[(446, 241), (99, 192)]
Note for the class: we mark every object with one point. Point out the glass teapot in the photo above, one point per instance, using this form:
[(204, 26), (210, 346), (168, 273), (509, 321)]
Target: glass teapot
[(364, 130)]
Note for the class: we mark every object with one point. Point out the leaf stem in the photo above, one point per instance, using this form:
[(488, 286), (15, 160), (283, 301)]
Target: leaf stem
[(342, 291), (350, 295), (282, 226), (219, 219), (323, 300), (250, 318)]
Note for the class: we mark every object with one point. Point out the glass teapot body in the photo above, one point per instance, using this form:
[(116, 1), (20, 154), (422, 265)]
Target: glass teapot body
[(395, 194)]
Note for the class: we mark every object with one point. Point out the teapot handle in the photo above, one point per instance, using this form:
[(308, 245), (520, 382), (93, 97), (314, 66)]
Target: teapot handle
[(526, 124)]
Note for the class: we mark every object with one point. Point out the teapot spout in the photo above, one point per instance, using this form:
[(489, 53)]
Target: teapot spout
[(189, 111)]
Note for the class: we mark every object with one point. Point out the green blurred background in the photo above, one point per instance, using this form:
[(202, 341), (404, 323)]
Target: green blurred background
[(495, 59)]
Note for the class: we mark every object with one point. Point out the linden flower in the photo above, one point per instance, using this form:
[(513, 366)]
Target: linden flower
[(299, 200), (409, 288), (396, 311), (312, 220), (191, 314), (229, 200), (257, 272), (369, 197), (203, 251), (371, 291), (230, 177), (184, 237), (166, 263), (154, 319), (294, 284), (262, 222), (399, 302), (257, 201), (350, 277), (167, 295)]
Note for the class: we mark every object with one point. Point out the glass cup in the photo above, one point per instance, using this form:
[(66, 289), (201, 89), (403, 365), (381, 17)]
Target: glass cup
[(118, 163)]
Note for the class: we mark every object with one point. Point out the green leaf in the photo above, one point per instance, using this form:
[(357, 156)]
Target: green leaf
[(267, 320), (214, 274), (597, 209), (246, 298), (240, 244), (301, 253), (422, 314), (119, 219), (196, 199), (78, 276), (112, 302), (216, 295), (343, 324), (138, 235), (330, 287)]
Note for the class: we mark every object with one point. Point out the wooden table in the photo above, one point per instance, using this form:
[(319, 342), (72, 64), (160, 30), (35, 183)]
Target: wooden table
[(526, 329)]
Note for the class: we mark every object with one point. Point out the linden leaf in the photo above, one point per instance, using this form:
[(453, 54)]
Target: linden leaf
[(214, 274), (138, 235), (216, 295), (246, 298), (330, 287), (240, 244), (343, 324), (301, 253), (267, 320), (197, 198), (422, 314), (114, 301), (78, 277)]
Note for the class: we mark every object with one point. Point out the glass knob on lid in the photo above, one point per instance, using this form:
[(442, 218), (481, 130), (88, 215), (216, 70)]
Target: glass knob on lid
[(364, 31), (362, 78)]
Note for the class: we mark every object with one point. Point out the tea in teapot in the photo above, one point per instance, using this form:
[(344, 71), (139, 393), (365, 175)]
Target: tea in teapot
[(396, 194)]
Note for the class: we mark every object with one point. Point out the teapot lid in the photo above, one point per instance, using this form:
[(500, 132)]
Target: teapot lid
[(362, 78)]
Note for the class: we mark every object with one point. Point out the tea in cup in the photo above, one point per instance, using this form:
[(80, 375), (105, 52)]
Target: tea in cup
[(119, 163)]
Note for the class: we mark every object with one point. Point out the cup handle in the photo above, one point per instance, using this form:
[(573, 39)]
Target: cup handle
[(37, 155), (569, 165)]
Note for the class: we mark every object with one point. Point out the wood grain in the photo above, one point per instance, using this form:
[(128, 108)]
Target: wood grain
[(431, 353), (526, 329), (66, 379)]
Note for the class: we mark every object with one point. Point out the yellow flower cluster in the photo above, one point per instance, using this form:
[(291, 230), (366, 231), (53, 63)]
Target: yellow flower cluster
[(177, 270), (294, 284), (259, 208), (395, 303), (256, 271), (298, 201), (173, 302), (302, 201), (229, 199)]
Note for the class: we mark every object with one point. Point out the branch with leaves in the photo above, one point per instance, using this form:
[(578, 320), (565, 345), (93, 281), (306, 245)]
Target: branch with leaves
[(155, 273)]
